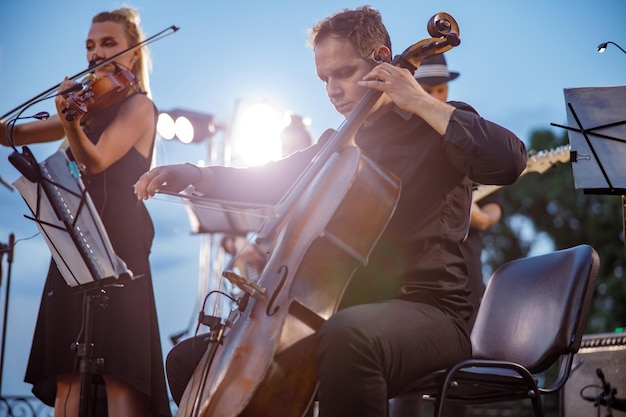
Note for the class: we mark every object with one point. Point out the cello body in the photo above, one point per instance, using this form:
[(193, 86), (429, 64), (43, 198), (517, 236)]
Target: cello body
[(266, 365)]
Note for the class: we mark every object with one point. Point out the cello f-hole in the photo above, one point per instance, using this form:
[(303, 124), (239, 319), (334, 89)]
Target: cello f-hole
[(271, 311)]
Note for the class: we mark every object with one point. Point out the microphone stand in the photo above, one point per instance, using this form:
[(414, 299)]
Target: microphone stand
[(607, 396), (8, 249), (89, 365)]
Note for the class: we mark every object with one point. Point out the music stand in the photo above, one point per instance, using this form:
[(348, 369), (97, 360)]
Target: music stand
[(597, 134), (207, 215), (77, 239)]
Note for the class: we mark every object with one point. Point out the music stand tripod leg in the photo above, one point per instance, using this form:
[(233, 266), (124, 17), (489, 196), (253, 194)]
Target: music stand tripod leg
[(88, 365)]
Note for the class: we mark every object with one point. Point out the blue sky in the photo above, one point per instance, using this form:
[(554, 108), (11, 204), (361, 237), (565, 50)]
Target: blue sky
[(515, 59)]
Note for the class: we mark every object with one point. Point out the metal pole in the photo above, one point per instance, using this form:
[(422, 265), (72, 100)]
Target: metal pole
[(211, 252), (8, 249)]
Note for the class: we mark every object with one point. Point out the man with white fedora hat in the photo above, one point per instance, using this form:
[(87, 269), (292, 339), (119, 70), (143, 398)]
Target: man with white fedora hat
[(433, 75)]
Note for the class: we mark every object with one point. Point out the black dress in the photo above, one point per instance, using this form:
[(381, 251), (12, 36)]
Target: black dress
[(125, 331)]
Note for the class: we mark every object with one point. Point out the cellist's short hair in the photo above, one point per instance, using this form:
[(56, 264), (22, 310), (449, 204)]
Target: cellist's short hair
[(362, 26)]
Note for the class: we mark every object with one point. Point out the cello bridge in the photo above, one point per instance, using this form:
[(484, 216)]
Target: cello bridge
[(244, 284)]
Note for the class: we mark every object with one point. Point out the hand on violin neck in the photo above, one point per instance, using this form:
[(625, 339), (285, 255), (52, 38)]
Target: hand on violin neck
[(65, 105), (71, 89), (68, 86)]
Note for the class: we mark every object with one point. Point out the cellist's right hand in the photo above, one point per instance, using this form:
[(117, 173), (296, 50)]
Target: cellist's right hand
[(173, 178)]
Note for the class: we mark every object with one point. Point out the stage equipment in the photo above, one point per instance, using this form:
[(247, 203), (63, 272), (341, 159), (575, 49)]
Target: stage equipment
[(7, 248), (597, 383), (597, 134), (602, 47), (188, 126)]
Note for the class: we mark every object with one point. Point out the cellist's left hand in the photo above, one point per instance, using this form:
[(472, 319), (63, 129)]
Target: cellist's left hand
[(404, 90), (398, 83)]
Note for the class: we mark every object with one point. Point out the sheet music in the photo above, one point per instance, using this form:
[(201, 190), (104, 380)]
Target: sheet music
[(70, 225)]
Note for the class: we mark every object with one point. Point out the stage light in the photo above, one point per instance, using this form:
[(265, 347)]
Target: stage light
[(186, 125), (252, 136), (255, 132), (602, 47), (166, 127), (184, 129)]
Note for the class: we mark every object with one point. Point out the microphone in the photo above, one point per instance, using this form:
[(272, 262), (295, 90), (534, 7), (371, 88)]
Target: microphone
[(42, 115), (93, 61), (25, 162), (607, 397), (6, 183), (606, 388)]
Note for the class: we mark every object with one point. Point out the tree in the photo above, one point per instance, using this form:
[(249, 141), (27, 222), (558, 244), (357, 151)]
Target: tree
[(544, 212)]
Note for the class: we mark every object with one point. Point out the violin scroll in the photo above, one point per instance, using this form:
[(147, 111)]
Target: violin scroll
[(75, 97)]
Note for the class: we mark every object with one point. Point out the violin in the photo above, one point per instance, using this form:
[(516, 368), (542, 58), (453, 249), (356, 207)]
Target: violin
[(99, 93), (261, 360)]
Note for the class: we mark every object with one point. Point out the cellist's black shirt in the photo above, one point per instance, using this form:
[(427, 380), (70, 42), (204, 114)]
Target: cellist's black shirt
[(418, 256)]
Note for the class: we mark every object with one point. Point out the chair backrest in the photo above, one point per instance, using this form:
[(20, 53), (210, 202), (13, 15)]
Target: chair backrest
[(535, 309)]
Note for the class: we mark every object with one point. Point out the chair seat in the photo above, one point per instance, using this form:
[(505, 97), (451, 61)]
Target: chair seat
[(475, 384)]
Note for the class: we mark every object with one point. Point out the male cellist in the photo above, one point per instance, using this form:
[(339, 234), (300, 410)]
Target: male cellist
[(406, 312)]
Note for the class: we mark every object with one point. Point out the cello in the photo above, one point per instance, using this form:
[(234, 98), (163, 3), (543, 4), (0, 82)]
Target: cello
[(261, 360)]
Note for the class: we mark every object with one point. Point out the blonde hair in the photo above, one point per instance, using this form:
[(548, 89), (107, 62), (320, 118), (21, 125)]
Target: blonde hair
[(130, 18)]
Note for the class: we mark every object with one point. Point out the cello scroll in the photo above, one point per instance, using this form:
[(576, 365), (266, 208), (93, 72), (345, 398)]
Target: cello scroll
[(442, 24), (445, 36)]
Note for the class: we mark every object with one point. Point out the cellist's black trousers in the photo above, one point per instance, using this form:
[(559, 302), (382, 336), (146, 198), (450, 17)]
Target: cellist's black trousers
[(366, 354), (369, 353)]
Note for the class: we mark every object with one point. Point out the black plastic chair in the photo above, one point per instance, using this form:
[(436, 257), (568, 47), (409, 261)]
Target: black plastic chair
[(532, 316)]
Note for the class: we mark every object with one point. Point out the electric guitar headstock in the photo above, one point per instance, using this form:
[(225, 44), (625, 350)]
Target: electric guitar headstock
[(537, 162), (544, 160)]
